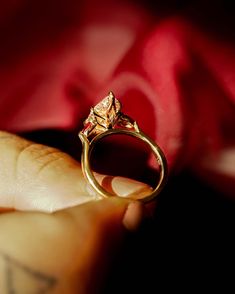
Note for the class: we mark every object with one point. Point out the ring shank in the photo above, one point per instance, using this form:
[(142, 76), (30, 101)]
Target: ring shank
[(89, 146)]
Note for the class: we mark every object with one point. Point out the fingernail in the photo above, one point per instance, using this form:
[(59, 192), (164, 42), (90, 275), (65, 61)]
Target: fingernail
[(124, 187), (127, 187)]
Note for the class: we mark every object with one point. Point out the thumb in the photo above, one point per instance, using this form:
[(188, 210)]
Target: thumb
[(38, 177)]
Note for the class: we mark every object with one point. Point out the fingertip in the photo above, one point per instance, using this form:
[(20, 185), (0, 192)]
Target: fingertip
[(133, 216), (124, 187)]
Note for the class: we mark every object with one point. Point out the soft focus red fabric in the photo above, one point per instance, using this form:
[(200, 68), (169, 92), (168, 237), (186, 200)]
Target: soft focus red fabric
[(57, 58)]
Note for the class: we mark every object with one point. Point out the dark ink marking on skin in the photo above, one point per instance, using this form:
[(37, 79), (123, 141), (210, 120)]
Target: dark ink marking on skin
[(41, 282)]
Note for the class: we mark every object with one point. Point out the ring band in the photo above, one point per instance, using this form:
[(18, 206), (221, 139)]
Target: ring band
[(106, 119)]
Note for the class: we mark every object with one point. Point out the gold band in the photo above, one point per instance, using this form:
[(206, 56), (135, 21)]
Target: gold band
[(105, 119)]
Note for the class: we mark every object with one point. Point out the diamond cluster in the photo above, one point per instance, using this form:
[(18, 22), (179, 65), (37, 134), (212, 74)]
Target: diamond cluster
[(106, 115)]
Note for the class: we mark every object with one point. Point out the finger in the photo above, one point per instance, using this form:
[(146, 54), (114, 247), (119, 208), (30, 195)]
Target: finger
[(38, 177), (87, 235)]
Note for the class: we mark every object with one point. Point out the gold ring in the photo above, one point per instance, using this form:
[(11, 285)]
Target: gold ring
[(106, 119)]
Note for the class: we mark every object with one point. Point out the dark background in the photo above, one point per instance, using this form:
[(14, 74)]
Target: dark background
[(187, 246)]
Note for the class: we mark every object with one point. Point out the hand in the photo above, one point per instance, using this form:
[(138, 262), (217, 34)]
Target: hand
[(57, 246)]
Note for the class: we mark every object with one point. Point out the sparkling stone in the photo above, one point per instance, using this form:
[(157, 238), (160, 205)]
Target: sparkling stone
[(108, 104), (125, 122), (103, 116)]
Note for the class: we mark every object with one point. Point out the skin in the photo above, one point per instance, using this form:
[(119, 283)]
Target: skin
[(56, 235)]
